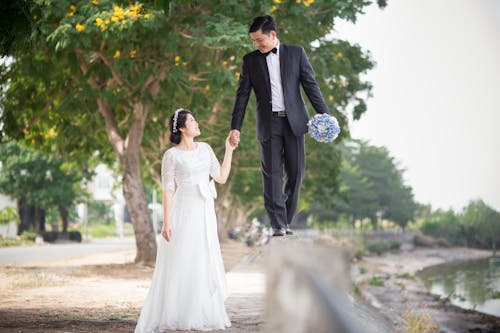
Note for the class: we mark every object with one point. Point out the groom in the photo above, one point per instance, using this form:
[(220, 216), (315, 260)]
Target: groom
[(275, 72)]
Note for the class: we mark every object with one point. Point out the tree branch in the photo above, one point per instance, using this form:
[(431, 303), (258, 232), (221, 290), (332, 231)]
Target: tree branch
[(116, 76), (136, 131), (111, 127)]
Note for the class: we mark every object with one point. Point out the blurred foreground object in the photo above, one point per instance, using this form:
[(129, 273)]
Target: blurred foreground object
[(308, 291)]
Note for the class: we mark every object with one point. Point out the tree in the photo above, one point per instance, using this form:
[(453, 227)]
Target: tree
[(357, 198), (481, 224), (372, 186), (107, 74), (39, 181), (444, 224)]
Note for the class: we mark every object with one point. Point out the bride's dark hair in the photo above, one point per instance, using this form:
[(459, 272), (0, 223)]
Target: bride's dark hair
[(177, 121)]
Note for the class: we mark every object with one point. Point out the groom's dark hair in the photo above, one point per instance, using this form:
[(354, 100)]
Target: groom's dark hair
[(264, 23)]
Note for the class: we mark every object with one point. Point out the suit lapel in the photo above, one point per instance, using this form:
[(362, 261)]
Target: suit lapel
[(263, 67), (282, 63)]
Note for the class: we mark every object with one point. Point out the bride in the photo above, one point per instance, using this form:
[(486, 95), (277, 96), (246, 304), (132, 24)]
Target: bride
[(188, 288)]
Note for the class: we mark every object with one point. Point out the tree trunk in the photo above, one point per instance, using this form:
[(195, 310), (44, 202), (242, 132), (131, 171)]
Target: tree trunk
[(127, 147), (63, 211), (42, 220), (133, 192), (38, 220), (26, 213), (127, 150)]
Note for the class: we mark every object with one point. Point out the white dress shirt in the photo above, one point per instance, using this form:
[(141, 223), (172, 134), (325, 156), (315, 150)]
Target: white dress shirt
[(273, 65)]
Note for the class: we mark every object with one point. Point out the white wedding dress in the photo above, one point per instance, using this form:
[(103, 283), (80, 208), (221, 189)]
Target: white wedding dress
[(188, 288)]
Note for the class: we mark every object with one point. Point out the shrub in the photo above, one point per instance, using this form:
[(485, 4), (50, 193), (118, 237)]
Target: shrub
[(380, 247), (444, 225), (29, 235), (8, 214), (75, 236), (49, 236), (481, 224)]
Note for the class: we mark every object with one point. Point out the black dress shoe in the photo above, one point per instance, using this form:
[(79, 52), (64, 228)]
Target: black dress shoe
[(288, 231), (279, 232)]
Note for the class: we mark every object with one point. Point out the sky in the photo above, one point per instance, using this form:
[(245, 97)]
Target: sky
[(436, 95)]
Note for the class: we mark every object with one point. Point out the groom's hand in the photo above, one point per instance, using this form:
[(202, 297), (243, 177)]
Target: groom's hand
[(234, 137)]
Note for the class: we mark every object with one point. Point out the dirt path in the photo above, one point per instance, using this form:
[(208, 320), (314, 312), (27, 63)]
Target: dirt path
[(96, 293), (402, 298), (105, 292)]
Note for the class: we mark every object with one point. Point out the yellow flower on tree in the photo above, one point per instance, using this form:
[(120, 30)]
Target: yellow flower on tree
[(307, 3), (80, 27), (117, 54), (95, 2), (72, 10), (177, 58), (100, 23), (132, 53), (133, 11), (51, 133)]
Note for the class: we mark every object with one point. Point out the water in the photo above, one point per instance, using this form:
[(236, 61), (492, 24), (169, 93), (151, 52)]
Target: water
[(471, 284)]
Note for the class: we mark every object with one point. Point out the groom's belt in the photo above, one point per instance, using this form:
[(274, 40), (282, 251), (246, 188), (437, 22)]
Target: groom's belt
[(279, 113)]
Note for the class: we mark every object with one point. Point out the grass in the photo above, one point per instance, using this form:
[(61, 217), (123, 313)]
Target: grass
[(48, 315), (95, 230), (419, 322), (378, 280), (496, 295), (119, 316), (405, 276), (105, 230), (357, 290), (38, 280), (6, 242), (383, 246)]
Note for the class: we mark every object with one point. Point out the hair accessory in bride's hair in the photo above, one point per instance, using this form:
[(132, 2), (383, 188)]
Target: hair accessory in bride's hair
[(174, 124)]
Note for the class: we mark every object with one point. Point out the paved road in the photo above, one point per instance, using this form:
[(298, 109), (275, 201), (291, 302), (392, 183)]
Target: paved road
[(28, 255)]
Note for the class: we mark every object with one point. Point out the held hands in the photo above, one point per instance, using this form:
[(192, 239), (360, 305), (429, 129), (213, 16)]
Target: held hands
[(232, 140), (166, 232)]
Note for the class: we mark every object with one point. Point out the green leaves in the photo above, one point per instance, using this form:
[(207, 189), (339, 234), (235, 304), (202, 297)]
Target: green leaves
[(164, 55), (372, 186), (44, 180)]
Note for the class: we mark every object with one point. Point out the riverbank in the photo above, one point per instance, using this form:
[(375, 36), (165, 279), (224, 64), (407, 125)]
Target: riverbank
[(388, 283)]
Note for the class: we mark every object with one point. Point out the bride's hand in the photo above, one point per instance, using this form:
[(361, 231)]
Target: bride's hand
[(166, 232)]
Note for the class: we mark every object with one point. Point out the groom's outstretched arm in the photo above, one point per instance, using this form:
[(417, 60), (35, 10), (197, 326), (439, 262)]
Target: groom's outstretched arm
[(242, 95)]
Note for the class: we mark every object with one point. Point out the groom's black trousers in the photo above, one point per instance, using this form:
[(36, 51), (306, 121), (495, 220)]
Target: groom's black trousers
[(283, 151)]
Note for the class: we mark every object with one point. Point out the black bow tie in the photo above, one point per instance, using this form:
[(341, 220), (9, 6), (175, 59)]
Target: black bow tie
[(274, 50)]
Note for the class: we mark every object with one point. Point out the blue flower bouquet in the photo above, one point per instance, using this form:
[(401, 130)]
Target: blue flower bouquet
[(323, 127)]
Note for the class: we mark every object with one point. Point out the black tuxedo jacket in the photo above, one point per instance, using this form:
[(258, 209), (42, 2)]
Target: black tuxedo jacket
[(295, 71)]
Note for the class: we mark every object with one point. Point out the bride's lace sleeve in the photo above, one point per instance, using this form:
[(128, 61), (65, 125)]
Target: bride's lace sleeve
[(168, 172), (214, 163)]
